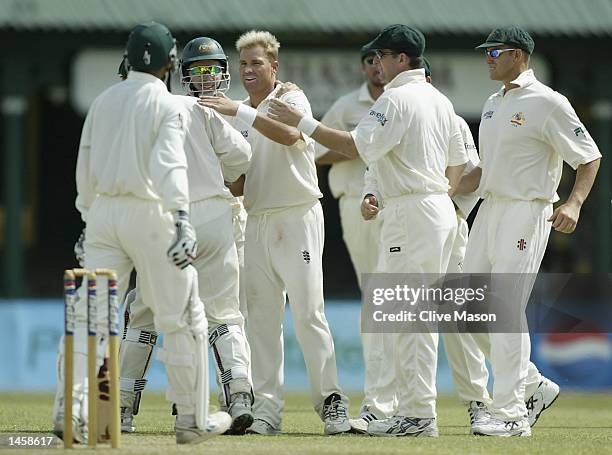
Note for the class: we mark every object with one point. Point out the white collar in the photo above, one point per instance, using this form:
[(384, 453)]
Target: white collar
[(407, 77), (145, 77)]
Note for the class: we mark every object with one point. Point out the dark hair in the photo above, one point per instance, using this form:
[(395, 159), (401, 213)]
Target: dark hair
[(416, 62)]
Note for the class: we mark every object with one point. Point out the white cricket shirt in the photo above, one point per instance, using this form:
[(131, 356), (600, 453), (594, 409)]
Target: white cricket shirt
[(525, 135), (412, 135), (346, 177), (132, 144), (280, 176), (216, 152)]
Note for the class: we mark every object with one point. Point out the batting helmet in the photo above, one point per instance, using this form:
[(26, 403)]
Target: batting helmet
[(206, 79)]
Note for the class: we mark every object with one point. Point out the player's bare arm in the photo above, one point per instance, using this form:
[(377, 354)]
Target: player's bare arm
[(453, 174), (272, 129), (565, 217), (336, 140), (469, 182), (331, 157)]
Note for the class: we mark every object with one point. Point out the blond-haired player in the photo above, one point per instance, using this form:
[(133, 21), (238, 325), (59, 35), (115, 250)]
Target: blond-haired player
[(284, 242)]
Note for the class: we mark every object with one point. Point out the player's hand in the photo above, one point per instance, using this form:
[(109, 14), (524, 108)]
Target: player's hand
[(286, 87), (284, 112), (79, 249), (220, 103), (369, 207), (184, 247), (565, 217)]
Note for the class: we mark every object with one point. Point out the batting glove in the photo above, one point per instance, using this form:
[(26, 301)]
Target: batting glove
[(79, 249), (184, 247)]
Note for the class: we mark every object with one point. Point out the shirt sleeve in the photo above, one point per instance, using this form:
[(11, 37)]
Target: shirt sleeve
[(380, 130), (231, 148), (370, 183), (168, 164), (569, 137), (470, 146), (85, 183), (457, 154)]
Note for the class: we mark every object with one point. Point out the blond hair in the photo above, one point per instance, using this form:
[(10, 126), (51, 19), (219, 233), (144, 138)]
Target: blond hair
[(254, 38)]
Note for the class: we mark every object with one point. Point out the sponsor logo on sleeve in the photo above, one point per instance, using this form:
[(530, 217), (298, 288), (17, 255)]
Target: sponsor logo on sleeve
[(487, 115), (379, 116), (245, 133), (578, 131)]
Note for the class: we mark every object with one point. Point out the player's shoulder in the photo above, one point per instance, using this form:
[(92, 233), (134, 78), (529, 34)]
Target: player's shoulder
[(187, 101), (550, 97)]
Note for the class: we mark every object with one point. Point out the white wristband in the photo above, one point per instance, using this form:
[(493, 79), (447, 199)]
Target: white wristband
[(246, 114), (308, 125)]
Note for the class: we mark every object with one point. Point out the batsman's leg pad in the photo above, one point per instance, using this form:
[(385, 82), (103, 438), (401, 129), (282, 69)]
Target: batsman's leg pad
[(135, 359), (230, 349), (185, 354)]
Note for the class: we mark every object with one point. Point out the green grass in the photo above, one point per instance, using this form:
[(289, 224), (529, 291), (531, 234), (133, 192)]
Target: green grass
[(576, 424)]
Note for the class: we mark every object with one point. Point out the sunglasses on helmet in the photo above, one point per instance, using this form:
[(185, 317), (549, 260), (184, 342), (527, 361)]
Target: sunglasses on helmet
[(211, 70)]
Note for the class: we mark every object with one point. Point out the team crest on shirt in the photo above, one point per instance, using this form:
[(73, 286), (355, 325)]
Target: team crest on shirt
[(380, 117), (245, 133), (487, 115), (306, 256), (518, 119)]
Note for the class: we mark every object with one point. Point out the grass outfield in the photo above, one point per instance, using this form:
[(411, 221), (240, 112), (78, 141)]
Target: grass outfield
[(576, 424)]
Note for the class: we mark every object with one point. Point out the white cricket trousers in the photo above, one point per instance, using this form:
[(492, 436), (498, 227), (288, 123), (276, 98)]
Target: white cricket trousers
[(283, 256), (418, 232), (128, 232), (362, 239), (466, 360), (509, 236)]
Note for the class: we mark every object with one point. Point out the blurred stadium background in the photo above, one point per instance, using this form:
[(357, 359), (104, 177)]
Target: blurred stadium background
[(59, 54)]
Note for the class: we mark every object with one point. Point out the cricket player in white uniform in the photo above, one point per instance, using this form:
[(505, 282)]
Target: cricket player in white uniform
[(411, 137), (361, 238), (216, 152), (465, 359), (284, 243), (132, 190), (527, 130)]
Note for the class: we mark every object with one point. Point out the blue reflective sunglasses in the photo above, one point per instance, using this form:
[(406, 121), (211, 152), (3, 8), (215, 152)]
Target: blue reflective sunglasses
[(495, 53)]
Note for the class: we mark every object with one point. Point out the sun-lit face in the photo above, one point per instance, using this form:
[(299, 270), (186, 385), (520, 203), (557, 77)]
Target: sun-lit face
[(257, 71), (206, 77), (372, 70), (502, 64)]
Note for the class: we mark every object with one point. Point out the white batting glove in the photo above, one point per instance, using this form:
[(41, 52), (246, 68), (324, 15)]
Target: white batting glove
[(184, 247), (79, 249)]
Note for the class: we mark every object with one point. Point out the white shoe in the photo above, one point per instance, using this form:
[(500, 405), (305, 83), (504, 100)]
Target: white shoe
[(335, 415), (79, 418), (218, 423), (260, 426), (544, 396), (478, 414), (404, 426), (79, 429), (241, 413), (503, 428), (360, 424), (127, 421)]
